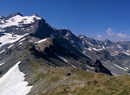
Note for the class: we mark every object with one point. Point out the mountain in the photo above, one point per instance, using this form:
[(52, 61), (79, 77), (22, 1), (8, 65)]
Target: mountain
[(36, 58), (111, 53)]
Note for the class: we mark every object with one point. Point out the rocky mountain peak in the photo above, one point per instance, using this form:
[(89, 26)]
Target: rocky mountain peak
[(14, 14)]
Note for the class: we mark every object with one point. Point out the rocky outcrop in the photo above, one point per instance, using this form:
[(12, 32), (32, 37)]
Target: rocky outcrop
[(100, 68)]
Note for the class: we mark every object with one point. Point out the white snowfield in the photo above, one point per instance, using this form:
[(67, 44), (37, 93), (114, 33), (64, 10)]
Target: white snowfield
[(12, 83), (18, 21), (10, 38)]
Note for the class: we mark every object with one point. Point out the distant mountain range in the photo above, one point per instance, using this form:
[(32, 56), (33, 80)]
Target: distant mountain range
[(29, 43)]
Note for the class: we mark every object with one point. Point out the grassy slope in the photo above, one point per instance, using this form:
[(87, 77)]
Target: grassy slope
[(69, 81)]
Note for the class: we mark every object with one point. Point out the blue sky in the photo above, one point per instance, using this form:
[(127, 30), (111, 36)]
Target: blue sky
[(100, 19)]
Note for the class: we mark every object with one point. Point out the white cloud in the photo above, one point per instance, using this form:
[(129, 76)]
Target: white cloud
[(120, 36), (109, 31), (99, 36)]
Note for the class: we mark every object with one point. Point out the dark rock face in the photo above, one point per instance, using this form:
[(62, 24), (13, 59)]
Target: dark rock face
[(42, 29), (100, 68), (51, 49)]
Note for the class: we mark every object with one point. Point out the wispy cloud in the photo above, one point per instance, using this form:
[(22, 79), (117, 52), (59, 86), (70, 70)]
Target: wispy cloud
[(109, 34), (109, 31), (121, 35), (99, 37)]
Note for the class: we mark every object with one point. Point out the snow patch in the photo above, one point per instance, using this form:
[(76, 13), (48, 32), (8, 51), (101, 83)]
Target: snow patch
[(126, 68), (73, 66), (89, 43), (10, 38), (84, 51), (97, 49), (62, 58), (126, 53), (111, 47), (90, 67), (22, 39), (127, 50), (89, 49), (120, 67), (103, 47), (2, 63), (118, 46), (20, 43), (34, 16), (12, 83), (10, 46), (43, 40), (115, 53), (114, 73), (2, 51)]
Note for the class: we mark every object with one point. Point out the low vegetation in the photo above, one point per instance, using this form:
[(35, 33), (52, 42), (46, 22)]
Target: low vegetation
[(69, 81)]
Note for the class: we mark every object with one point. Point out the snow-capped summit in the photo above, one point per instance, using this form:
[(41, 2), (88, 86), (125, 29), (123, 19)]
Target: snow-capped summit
[(16, 26), (18, 20)]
